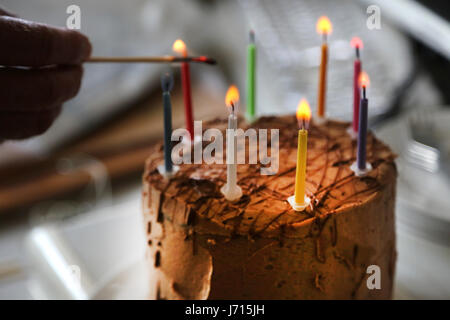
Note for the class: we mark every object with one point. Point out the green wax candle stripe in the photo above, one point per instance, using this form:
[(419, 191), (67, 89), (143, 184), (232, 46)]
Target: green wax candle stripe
[(251, 57)]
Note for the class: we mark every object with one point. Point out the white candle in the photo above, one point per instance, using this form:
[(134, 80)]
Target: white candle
[(231, 190), (231, 150)]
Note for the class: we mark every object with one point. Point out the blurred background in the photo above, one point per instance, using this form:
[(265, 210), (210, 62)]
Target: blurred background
[(70, 198)]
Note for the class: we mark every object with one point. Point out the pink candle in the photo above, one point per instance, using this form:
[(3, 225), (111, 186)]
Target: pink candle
[(357, 44)]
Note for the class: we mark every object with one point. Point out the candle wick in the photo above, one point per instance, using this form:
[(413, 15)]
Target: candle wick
[(252, 36), (302, 124), (324, 37), (232, 108), (357, 52), (364, 92)]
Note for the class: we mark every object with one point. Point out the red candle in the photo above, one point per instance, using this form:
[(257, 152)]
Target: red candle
[(180, 47), (357, 44)]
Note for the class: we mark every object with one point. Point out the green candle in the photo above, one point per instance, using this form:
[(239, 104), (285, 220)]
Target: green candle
[(251, 60)]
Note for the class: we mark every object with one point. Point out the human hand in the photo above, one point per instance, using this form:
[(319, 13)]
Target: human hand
[(42, 69)]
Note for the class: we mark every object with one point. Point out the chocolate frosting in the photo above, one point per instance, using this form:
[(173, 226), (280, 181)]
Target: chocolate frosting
[(263, 209), (191, 206)]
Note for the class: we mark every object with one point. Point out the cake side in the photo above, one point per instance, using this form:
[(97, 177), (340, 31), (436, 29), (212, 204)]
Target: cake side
[(259, 247)]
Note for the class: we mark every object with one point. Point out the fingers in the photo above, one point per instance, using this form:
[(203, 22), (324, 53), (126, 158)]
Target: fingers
[(32, 44), (30, 99), (24, 90), (6, 13), (19, 125)]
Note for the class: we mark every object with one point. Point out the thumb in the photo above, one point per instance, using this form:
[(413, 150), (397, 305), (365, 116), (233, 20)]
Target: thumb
[(6, 13)]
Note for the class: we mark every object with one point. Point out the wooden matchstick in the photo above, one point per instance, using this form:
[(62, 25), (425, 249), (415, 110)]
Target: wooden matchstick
[(163, 59)]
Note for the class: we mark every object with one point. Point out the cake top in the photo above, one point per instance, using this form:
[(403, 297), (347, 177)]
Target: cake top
[(263, 208)]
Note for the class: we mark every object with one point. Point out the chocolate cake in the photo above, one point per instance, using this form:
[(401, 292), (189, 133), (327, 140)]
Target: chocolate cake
[(201, 246)]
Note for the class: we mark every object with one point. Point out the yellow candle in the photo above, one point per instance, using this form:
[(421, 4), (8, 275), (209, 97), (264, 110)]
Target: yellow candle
[(300, 174), (299, 201), (324, 28)]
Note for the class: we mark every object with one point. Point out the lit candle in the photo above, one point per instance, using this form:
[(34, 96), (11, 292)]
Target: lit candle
[(324, 28), (180, 47), (299, 201), (361, 167), (231, 190), (251, 57), (357, 44), (167, 85)]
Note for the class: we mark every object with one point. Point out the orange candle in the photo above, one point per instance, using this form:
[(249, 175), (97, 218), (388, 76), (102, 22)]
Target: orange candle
[(324, 28), (322, 81)]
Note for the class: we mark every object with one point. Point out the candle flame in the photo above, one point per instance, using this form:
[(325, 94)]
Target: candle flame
[(356, 43), (179, 46), (323, 25), (363, 80), (232, 96), (303, 112)]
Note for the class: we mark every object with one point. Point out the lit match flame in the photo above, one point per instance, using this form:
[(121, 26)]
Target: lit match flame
[(232, 97), (179, 47), (356, 43), (303, 113), (363, 80), (324, 26)]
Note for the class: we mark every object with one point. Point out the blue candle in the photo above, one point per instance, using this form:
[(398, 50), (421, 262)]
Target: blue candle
[(167, 85), (362, 131)]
